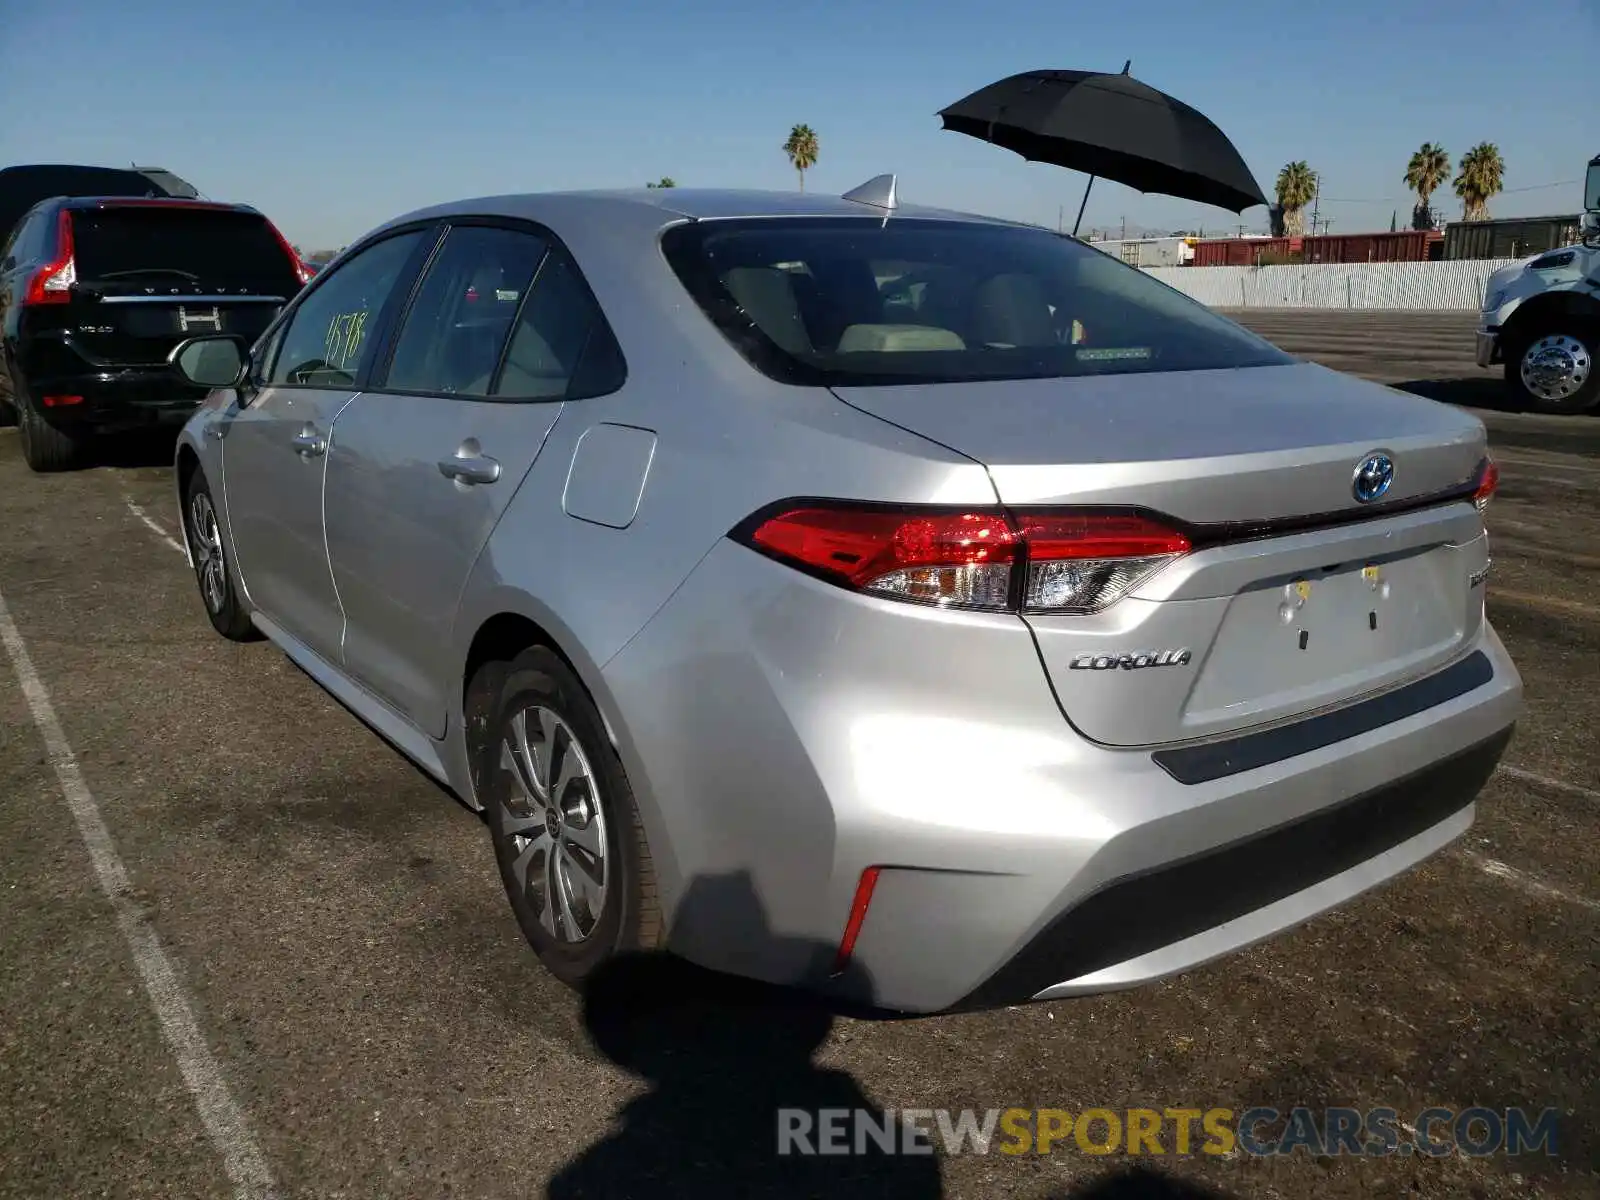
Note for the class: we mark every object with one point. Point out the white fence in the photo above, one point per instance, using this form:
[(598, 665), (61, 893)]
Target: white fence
[(1427, 286)]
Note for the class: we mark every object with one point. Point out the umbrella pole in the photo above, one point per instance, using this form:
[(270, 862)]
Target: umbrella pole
[(1082, 206), (1126, 66)]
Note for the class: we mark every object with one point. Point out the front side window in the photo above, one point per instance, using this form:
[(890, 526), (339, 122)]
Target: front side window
[(328, 338), (858, 301), (451, 340)]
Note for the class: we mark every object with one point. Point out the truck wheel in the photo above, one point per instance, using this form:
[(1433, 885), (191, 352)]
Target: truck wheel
[(44, 447), (1555, 371)]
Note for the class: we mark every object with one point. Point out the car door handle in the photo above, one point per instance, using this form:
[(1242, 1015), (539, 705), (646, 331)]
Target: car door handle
[(479, 468), (308, 443)]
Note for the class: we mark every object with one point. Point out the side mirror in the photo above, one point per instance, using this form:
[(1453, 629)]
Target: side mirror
[(217, 361), (1589, 230)]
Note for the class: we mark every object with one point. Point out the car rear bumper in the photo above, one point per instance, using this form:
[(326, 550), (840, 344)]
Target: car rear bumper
[(1487, 347), (125, 398), (822, 734)]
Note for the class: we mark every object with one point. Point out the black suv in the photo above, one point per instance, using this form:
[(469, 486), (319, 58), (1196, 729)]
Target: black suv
[(95, 292)]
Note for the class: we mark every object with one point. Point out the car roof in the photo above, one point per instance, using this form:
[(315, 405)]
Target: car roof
[(26, 185), (663, 206), (77, 202)]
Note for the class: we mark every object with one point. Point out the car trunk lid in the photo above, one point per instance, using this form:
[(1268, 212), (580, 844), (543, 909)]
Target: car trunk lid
[(1295, 596), (150, 274)]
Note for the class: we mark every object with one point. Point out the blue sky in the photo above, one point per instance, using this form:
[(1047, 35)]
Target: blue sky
[(336, 115)]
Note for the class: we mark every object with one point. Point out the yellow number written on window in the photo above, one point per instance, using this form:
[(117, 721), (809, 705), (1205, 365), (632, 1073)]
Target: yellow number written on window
[(343, 346)]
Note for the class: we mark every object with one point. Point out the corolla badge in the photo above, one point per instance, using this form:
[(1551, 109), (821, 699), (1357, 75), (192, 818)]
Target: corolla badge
[(1373, 476), (1131, 661)]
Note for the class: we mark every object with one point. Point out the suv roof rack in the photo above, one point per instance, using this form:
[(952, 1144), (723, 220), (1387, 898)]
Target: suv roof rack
[(877, 192)]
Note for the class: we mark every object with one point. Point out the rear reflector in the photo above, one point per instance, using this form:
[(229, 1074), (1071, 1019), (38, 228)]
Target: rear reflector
[(62, 401), (858, 914), (1488, 484), (1040, 561)]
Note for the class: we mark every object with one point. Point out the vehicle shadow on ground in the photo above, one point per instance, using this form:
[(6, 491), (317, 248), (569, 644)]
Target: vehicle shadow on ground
[(724, 1058), (1139, 1184), (127, 451), (729, 1063), (1489, 392)]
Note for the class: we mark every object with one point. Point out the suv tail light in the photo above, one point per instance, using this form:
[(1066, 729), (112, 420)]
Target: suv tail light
[(52, 283), (300, 270), (1032, 561), (1488, 484)]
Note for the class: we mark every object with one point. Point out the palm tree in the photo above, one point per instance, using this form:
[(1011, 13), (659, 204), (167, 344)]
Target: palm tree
[(1428, 170), (1480, 175), (664, 182), (1297, 184), (802, 150)]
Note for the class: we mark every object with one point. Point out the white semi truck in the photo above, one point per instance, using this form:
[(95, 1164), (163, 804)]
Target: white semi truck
[(1541, 319)]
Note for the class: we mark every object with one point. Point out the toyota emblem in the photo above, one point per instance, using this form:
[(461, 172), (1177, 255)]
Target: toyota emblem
[(1373, 477)]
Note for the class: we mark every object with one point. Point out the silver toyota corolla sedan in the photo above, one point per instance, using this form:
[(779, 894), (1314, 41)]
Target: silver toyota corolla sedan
[(899, 602)]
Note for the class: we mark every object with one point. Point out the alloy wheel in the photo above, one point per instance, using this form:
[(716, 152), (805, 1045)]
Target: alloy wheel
[(205, 539), (556, 826)]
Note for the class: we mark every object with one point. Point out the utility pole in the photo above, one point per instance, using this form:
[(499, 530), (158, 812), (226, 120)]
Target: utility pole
[(1316, 206), (1124, 228)]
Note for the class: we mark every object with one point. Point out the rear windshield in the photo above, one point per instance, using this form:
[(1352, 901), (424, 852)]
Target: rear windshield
[(213, 248), (851, 301)]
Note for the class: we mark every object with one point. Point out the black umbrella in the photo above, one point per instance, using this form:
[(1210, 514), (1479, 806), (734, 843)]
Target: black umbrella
[(1112, 126)]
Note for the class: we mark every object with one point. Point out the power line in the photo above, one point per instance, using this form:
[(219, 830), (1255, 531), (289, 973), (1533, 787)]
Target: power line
[(1537, 187)]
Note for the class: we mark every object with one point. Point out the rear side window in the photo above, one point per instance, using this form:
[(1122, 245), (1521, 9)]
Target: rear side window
[(858, 301), (563, 347), (205, 247), (456, 329), (16, 242)]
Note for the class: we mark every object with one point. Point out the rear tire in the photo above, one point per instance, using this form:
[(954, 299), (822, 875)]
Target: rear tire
[(45, 448), (1553, 371), (213, 572), (566, 832)]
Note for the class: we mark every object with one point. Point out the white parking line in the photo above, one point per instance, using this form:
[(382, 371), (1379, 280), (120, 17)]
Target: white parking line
[(1527, 882), (1554, 784), (155, 526), (224, 1122)]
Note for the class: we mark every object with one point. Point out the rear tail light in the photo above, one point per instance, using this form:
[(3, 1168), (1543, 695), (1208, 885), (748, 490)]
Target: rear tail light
[(1488, 483), (302, 273), (1085, 562), (62, 401), (1035, 561), (52, 283)]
